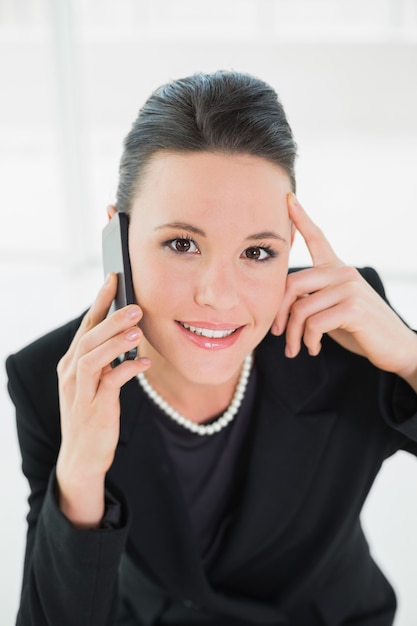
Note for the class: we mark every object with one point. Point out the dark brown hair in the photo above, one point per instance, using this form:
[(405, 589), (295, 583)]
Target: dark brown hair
[(226, 112)]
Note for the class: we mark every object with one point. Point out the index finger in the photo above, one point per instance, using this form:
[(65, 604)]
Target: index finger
[(320, 249), (98, 312)]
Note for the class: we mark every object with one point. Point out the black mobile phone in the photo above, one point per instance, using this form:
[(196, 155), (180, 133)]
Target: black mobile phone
[(116, 259)]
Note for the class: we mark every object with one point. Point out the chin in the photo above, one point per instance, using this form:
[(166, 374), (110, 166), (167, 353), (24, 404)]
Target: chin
[(214, 369)]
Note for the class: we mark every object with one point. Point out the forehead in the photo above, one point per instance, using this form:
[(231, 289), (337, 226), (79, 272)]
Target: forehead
[(209, 186)]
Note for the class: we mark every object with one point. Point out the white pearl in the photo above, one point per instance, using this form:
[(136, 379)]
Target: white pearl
[(202, 429)]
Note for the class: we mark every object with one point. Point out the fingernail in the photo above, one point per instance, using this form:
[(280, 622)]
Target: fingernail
[(145, 360), (132, 311), (133, 334), (315, 351), (107, 280), (288, 352), (276, 329)]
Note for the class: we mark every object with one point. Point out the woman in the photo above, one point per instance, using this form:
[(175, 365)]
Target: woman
[(238, 501)]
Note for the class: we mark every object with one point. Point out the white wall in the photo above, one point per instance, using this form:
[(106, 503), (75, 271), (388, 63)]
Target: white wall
[(71, 82)]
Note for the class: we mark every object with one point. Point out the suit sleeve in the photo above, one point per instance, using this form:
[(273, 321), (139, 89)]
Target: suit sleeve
[(70, 575), (399, 409), (398, 400)]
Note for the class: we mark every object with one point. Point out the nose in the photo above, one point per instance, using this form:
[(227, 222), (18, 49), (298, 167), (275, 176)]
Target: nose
[(217, 286)]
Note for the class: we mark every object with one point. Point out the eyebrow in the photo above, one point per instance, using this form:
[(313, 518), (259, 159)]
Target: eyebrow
[(264, 234)]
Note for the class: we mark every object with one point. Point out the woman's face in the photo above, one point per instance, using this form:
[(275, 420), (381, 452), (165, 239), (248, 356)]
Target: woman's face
[(209, 240)]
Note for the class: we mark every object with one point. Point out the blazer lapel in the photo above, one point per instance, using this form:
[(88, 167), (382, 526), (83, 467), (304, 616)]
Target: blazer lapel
[(291, 429)]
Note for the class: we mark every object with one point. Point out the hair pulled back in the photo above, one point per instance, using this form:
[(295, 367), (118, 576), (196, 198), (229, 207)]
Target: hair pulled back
[(226, 112)]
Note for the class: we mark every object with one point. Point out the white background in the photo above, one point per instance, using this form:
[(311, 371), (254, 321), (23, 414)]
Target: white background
[(72, 77)]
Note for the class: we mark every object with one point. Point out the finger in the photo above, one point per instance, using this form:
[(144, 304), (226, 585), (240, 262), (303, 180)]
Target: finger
[(110, 384), (93, 364), (96, 349), (97, 312), (321, 324), (311, 337), (79, 381), (121, 320), (308, 281), (105, 408), (320, 249), (311, 316)]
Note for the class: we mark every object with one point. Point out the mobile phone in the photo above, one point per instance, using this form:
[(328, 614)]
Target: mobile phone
[(116, 259)]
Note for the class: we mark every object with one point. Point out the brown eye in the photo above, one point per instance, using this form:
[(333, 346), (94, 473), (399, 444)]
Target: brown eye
[(259, 253), (253, 253), (182, 245)]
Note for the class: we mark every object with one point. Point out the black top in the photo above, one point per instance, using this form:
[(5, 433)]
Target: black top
[(207, 468)]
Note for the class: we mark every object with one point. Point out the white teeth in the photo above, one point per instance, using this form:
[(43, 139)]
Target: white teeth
[(206, 332)]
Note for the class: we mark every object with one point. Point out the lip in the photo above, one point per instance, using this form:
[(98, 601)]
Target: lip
[(211, 343), (210, 325)]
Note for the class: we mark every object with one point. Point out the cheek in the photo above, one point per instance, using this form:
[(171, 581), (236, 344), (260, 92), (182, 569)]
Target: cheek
[(144, 281), (267, 293), (157, 287)]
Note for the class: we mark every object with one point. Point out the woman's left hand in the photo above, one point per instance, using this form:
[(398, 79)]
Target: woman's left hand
[(333, 298)]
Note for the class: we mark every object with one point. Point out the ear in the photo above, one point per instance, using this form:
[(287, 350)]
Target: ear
[(111, 210)]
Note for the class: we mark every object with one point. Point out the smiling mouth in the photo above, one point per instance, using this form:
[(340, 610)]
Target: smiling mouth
[(207, 332)]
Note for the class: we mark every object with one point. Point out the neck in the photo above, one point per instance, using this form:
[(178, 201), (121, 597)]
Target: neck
[(197, 402)]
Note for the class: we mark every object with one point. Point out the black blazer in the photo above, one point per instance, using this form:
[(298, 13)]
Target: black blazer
[(294, 552)]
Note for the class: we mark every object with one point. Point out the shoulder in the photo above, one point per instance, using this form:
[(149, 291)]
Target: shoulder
[(32, 377), (33, 388), (372, 277), (43, 354)]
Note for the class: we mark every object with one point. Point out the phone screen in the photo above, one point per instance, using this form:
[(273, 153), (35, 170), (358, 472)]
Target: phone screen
[(116, 259)]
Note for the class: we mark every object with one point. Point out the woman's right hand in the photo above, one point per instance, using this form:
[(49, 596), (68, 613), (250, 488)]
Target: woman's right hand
[(89, 391)]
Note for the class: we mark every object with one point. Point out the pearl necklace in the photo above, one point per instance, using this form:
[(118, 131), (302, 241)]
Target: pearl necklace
[(203, 429)]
